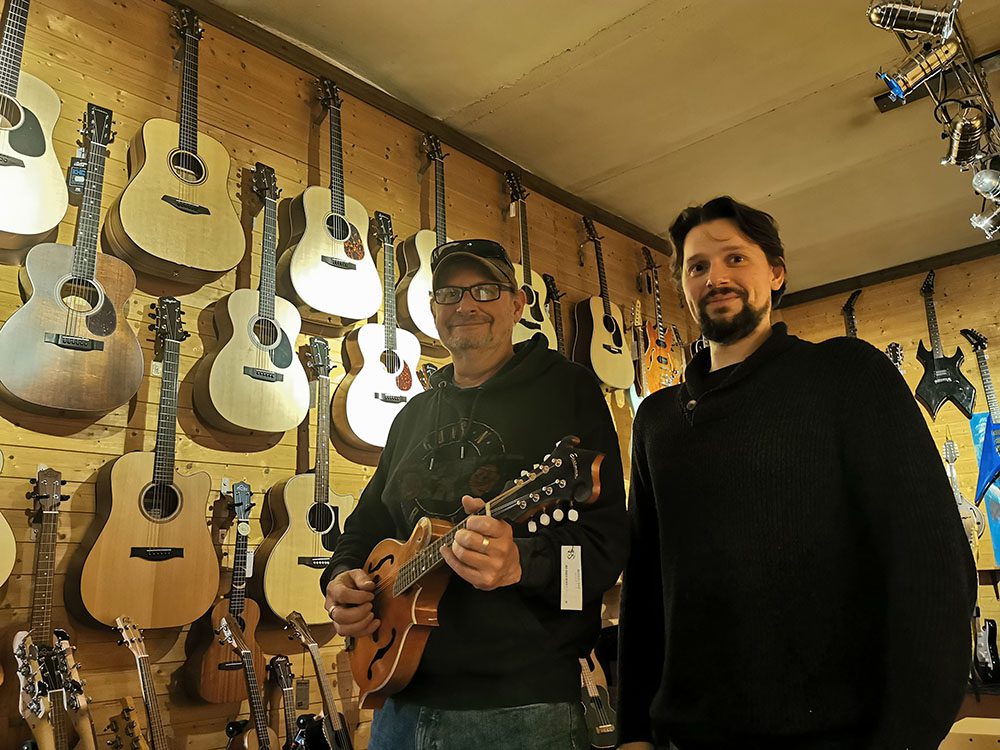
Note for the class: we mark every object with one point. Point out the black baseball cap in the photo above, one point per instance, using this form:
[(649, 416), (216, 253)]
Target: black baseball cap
[(487, 253)]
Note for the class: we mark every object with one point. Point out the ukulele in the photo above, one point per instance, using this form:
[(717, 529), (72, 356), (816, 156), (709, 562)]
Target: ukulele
[(306, 519), (942, 379), (660, 368), (131, 637), (279, 669), (154, 519), (989, 457), (125, 728), (31, 181), (210, 672), (597, 710), (334, 726), (534, 318), (410, 577), (554, 296), (325, 266), (175, 218), (69, 349), (972, 518), (600, 333), (254, 734), (254, 382), (413, 293), (380, 361), (893, 351)]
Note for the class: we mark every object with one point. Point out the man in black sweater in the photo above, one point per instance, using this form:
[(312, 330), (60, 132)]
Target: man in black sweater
[(799, 575), (501, 669)]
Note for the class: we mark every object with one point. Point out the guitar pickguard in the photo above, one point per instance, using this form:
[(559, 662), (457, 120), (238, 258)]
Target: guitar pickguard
[(281, 355), (29, 138), (104, 321)]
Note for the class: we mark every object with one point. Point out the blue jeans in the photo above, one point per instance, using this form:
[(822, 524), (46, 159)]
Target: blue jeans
[(539, 726)]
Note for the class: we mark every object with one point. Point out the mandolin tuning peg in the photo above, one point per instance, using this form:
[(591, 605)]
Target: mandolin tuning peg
[(544, 519), (573, 515), (532, 527), (558, 515)]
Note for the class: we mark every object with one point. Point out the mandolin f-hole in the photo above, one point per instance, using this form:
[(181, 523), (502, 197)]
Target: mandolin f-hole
[(160, 502), (11, 113), (81, 296), (187, 167)]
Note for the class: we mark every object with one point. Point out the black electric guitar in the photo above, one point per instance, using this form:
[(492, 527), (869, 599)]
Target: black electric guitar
[(597, 708), (942, 379), (850, 320), (534, 318), (554, 296), (989, 459), (987, 660)]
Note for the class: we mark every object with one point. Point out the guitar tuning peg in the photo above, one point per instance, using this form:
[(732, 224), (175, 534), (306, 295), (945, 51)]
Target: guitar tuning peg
[(64, 497), (557, 515), (32, 481), (151, 327), (544, 519), (532, 527), (573, 515), (152, 305)]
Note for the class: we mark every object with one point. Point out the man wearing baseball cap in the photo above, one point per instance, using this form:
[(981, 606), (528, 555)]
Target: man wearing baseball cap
[(502, 668)]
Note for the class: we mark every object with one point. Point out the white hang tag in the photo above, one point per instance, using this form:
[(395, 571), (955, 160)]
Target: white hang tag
[(512, 211), (571, 576), (249, 563)]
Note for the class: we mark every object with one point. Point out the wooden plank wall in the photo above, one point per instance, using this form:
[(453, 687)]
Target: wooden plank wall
[(119, 54)]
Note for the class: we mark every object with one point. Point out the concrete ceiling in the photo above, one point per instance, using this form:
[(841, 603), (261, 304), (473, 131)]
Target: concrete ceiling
[(645, 106)]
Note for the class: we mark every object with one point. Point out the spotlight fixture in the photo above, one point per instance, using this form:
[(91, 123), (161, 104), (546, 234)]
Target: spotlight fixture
[(986, 181), (919, 66), (989, 224), (908, 17), (965, 132)]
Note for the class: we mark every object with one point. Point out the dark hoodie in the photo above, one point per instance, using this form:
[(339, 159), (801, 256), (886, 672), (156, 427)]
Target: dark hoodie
[(514, 645)]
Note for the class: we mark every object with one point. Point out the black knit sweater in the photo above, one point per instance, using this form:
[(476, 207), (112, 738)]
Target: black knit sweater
[(799, 575)]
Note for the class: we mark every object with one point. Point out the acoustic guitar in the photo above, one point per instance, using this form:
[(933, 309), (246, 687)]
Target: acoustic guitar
[(413, 293), (210, 672), (942, 379), (254, 734), (553, 295), (8, 554), (989, 457), (325, 265), (534, 318), (69, 350), (600, 342), (410, 577), (125, 728), (31, 180), (660, 366), (175, 218), (597, 709), (131, 636), (306, 519), (154, 519), (380, 362), (254, 382)]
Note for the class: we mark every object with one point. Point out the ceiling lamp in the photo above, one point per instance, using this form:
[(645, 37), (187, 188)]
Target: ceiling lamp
[(989, 224), (986, 181), (919, 66), (964, 131), (912, 18)]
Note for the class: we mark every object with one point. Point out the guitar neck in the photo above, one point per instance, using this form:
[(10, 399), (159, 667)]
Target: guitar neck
[(322, 483), (522, 214), (157, 737), (389, 296), (45, 566), (257, 714), (850, 325), (166, 419), (557, 321), (932, 326), (661, 333), (991, 394), (331, 716), (238, 588), (267, 259), (189, 95), (440, 209), (605, 297), (12, 46), (588, 679), (288, 706), (337, 205), (57, 717), (88, 221)]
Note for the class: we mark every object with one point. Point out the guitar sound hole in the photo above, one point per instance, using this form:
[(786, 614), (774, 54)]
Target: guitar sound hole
[(266, 332), (321, 517), (391, 362), (11, 114), (80, 295), (187, 167), (338, 227), (160, 501), (609, 324)]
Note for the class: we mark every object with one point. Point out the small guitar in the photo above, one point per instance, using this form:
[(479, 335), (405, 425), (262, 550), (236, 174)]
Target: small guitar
[(211, 673), (334, 726), (600, 340), (410, 577), (125, 728), (553, 295), (306, 518), (279, 669), (175, 218), (70, 350), (380, 361), (256, 734), (972, 517), (131, 637), (535, 317), (893, 351), (942, 379), (989, 457), (413, 293), (31, 181), (325, 265), (154, 519), (254, 382), (597, 709), (659, 363)]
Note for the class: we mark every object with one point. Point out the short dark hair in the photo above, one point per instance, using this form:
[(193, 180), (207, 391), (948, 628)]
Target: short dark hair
[(758, 225)]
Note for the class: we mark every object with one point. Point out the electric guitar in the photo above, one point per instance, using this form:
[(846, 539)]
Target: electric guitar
[(659, 364), (125, 728), (972, 517), (413, 293), (306, 519), (254, 382), (600, 342), (597, 709), (211, 674), (942, 379), (637, 390), (31, 180), (255, 734), (153, 519), (410, 577), (69, 349), (987, 659), (553, 295), (131, 637), (175, 218), (893, 351), (534, 318), (325, 265), (380, 362), (334, 726), (989, 458)]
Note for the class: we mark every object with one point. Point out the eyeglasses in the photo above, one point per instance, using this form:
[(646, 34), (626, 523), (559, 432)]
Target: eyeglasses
[(482, 248), (452, 295)]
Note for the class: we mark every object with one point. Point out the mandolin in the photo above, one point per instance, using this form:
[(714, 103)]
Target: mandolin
[(410, 577), (325, 265), (154, 527), (942, 379), (597, 709), (125, 728), (413, 293), (535, 318), (175, 218), (972, 518), (131, 637), (254, 382), (554, 296), (69, 350), (600, 342), (380, 362), (254, 734), (210, 672), (660, 366), (31, 180), (988, 483), (306, 519)]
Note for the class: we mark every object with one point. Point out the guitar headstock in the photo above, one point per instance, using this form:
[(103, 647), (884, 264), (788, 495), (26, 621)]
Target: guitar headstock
[(265, 183), (848, 308), (637, 314), (927, 288), (424, 373), (383, 224), (242, 504), (318, 357), (125, 728), (550, 287), (233, 637), (950, 451), (647, 257), (168, 320), (592, 235), (978, 341), (280, 669), (300, 630), (53, 673), (47, 492), (131, 636), (432, 147), (186, 24), (329, 94), (97, 126), (517, 191), (894, 352)]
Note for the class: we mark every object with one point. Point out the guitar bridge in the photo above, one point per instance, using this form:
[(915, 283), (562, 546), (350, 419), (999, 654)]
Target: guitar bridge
[(75, 343), (7, 160), (613, 349), (338, 263), (268, 376), (230, 666), (390, 398), (316, 563), (186, 206), (530, 324), (157, 554)]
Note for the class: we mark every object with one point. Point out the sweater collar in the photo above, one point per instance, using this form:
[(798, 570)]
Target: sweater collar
[(696, 374)]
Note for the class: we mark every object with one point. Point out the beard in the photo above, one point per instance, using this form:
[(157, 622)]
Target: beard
[(729, 328), (467, 338)]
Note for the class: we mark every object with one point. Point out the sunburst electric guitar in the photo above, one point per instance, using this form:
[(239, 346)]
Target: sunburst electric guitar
[(661, 365), (534, 318)]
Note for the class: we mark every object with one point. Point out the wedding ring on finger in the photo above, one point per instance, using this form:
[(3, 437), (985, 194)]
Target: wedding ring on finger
[(486, 542), (329, 611)]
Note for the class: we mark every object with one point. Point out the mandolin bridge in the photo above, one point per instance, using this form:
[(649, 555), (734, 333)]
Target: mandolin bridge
[(186, 206), (76, 343), (259, 373), (6, 160), (157, 554), (316, 563), (390, 398), (338, 263)]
